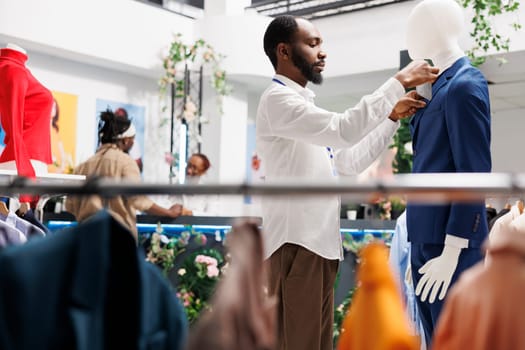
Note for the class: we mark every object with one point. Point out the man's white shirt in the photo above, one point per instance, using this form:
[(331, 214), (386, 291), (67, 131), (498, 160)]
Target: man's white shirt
[(292, 136)]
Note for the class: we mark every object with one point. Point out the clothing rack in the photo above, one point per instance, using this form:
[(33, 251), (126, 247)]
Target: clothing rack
[(418, 187)]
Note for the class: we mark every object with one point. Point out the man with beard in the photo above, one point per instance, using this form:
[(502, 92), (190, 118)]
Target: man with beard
[(298, 140)]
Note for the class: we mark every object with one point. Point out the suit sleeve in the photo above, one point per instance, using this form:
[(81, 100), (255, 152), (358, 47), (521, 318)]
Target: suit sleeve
[(468, 126)]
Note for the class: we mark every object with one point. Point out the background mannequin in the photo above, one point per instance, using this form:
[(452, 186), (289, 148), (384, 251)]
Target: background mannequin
[(452, 134), (25, 106)]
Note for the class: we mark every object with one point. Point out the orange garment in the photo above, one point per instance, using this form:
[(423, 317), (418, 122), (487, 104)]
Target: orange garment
[(485, 310), (376, 319)]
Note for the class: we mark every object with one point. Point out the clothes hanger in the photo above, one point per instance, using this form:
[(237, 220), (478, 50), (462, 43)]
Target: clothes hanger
[(3, 208), (520, 205)]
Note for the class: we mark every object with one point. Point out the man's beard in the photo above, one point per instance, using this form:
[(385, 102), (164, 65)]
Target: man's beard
[(306, 68)]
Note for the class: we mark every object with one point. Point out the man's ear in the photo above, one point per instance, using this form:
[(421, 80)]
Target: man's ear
[(283, 51)]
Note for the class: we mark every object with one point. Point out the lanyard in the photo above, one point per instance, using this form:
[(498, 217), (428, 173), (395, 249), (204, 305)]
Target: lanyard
[(278, 81)]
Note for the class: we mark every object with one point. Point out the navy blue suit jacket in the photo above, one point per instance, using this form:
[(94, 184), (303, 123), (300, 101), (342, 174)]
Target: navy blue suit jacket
[(452, 135), (86, 288)]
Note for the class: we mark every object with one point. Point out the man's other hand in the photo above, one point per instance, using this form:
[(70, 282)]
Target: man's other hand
[(417, 73), (175, 210), (407, 106)]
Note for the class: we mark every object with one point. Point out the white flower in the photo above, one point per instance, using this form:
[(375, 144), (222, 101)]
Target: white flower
[(181, 272), (408, 147)]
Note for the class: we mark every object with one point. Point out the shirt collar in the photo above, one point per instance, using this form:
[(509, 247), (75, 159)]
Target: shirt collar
[(303, 91)]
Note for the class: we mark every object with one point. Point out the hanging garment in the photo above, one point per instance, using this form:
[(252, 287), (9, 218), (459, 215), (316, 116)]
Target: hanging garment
[(399, 261), (485, 310), (27, 228), (10, 235), (376, 318), (88, 288), (30, 217), (242, 317)]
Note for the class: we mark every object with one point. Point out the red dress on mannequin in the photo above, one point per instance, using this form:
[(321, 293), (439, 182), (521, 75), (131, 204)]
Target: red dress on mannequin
[(25, 108)]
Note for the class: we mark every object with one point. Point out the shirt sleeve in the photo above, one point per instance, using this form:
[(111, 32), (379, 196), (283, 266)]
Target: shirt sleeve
[(353, 160), (289, 116), (468, 125)]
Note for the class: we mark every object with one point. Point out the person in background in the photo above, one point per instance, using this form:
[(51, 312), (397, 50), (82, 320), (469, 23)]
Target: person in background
[(295, 139), (115, 135), (133, 151), (198, 205)]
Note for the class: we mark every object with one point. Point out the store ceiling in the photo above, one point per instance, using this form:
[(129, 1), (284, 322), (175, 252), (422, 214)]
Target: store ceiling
[(312, 9)]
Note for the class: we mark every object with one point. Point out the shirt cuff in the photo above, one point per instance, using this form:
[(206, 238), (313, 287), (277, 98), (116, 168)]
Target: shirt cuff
[(456, 241), (393, 89)]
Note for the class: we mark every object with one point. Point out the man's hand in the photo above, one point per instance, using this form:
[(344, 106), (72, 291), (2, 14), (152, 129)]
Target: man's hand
[(417, 73), (407, 106), (175, 210)]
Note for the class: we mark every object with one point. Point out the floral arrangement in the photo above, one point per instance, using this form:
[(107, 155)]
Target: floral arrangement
[(163, 250), (390, 207), (340, 313), (178, 53), (198, 273), (198, 277), (350, 244)]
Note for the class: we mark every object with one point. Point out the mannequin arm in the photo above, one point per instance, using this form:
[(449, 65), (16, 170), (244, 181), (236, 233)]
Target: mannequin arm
[(437, 272)]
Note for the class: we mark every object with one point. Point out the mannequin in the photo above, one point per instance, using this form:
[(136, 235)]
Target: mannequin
[(452, 134), (25, 106)]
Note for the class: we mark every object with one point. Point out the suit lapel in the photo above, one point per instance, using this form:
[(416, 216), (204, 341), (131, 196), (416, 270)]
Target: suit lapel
[(438, 84)]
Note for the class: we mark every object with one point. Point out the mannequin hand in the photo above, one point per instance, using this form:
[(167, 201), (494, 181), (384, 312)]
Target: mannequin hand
[(407, 106), (417, 73), (437, 272)]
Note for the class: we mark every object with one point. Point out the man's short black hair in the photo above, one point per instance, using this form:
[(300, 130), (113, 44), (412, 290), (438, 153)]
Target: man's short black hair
[(280, 30)]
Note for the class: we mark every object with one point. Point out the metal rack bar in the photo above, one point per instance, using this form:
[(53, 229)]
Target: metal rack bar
[(419, 187)]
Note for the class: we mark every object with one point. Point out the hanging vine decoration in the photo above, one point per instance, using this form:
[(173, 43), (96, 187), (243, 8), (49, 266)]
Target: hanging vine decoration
[(179, 53), (484, 33)]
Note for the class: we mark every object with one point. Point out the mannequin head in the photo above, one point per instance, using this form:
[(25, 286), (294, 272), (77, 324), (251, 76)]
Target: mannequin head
[(433, 29)]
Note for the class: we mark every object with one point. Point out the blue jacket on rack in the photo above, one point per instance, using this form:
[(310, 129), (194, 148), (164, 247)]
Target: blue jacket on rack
[(86, 288)]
